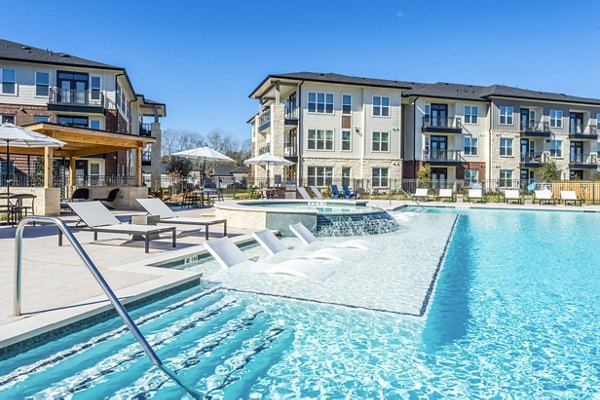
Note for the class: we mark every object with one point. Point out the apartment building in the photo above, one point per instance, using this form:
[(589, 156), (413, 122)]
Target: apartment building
[(49, 91), (332, 126)]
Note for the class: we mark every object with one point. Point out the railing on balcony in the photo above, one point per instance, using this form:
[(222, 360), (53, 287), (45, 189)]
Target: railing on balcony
[(576, 128), (584, 159), (145, 129), (290, 113), (435, 122), (90, 97), (442, 155), (580, 130), (264, 118), (290, 150), (264, 149), (535, 126), (534, 158)]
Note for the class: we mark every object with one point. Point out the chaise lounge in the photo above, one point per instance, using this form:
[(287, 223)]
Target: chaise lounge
[(445, 194), (308, 238), (421, 194), (316, 192), (303, 193), (512, 195), (476, 194), (567, 196), (544, 196)]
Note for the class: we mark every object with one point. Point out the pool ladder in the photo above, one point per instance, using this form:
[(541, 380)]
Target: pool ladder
[(103, 284)]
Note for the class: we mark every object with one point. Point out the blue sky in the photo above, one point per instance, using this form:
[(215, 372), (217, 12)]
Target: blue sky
[(203, 58)]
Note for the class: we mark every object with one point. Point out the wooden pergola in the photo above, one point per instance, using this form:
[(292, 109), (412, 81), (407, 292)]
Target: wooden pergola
[(81, 142)]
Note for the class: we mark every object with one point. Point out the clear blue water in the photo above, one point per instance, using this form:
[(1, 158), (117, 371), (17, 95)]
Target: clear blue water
[(322, 207), (515, 315)]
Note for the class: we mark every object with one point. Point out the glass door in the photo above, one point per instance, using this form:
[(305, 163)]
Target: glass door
[(73, 87), (577, 152), (439, 115), (524, 119), (576, 123), (439, 177), (439, 148)]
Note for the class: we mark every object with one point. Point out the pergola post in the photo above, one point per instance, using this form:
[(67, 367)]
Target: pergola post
[(138, 166), (71, 174), (48, 151)]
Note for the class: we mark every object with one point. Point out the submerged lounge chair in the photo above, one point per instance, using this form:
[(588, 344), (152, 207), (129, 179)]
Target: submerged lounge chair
[(273, 245), (303, 193), (445, 194), (228, 255), (157, 207), (570, 196), (316, 192), (544, 196), (476, 194), (512, 195), (308, 238), (98, 219), (420, 194)]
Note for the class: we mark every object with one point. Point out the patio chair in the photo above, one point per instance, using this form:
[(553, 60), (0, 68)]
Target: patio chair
[(303, 193), (80, 194), (476, 194), (335, 193), (445, 194), (420, 194), (316, 192), (567, 196), (228, 255), (348, 194), (100, 220), (168, 216), (273, 245), (112, 196), (544, 196), (308, 238), (512, 195)]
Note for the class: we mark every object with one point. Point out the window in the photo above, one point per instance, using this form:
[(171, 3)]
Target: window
[(9, 80), (321, 103), (346, 140), (118, 95), (380, 177), (95, 86), (597, 121), (471, 176), (556, 119), (381, 106), (506, 115), (381, 141), (470, 146), (41, 118), (319, 139), (78, 122), (95, 124), (471, 113), (42, 83), (506, 147), (556, 148), (320, 176), (7, 119), (346, 175), (505, 178), (346, 104)]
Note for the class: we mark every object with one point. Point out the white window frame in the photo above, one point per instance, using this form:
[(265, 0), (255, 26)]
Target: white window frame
[(347, 177), (316, 139), (325, 103), (381, 107), (35, 77), (506, 112), (504, 179), (2, 82), (470, 147), (342, 141), (99, 88), (472, 117), (557, 151), (380, 142), (320, 173), (346, 95), (507, 148), (556, 121), (380, 176)]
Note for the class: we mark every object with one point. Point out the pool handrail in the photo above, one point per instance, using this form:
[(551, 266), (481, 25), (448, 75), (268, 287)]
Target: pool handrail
[(112, 297)]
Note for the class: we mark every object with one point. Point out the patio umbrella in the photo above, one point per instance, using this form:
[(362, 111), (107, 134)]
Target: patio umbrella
[(267, 159), (204, 154), (17, 136)]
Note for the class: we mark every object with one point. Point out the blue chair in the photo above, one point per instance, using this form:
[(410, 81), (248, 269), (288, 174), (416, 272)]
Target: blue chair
[(335, 193), (348, 194)]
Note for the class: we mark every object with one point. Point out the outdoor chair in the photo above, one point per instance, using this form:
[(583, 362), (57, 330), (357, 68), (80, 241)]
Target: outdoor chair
[(316, 192), (348, 194), (303, 193), (308, 238), (191, 200), (445, 194), (273, 245), (100, 220), (569, 196), (168, 216), (228, 255), (335, 193), (420, 194), (112, 196), (20, 205), (544, 196), (512, 195), (476, 194), (80, 194)]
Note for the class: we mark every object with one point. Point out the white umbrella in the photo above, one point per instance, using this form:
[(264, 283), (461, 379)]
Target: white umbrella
[(17, 136), (267, 159), (204, 154)]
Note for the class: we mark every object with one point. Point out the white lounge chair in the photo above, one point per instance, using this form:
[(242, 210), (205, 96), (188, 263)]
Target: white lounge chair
[(303, 193), (273, 245), (544, 196), (567, 196), (476, 194), (157, 207), (445, 194), (512, 195), (316, 192), (420, 194), (228, 255), (98, 219), (308, 238)]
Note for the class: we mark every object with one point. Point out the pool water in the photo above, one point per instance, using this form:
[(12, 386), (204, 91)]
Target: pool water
[(515, 315), (322, 207)]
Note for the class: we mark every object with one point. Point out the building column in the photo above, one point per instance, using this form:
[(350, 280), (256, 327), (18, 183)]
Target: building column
[(48, 151), (277, 93), (138, 166), (72, 171)]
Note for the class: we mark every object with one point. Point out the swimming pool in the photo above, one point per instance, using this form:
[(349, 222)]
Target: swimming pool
[(514, 315)]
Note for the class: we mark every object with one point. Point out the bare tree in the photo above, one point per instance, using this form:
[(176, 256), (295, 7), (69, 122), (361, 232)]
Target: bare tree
[(179, 140)]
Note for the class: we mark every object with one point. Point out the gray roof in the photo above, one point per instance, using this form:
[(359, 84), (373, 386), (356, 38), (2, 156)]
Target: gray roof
[(508, 91), (446, 90), (22, 52)]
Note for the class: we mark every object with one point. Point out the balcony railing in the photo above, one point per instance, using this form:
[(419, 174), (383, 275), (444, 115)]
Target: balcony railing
[(534, 158), (535, 126), (264, 149), (584, 159), (145, 129), (264, 118), (441, 123), (290, 112), (90, 97), (579, 131), (442, 155), (290, 150)]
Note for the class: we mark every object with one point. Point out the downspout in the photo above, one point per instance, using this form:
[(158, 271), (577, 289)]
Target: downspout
[(300, 135), (415, 137)]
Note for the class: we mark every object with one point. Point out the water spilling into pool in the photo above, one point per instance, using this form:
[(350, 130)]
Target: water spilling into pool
[(376, 223)]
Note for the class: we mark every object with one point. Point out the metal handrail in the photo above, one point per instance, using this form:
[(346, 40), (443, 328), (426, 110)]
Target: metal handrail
[(101, 281)]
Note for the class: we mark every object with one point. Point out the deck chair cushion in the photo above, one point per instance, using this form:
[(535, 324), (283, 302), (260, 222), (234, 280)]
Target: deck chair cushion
[(94, 213)]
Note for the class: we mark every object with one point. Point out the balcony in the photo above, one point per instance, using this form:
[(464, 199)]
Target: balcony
[(89, 101), (145, 129), (535, 129), (264, 149), (441, 124), (533, 160), (264, 120), (290, 115), (578, 131), (579, 161), (442, 156), (290, 152)]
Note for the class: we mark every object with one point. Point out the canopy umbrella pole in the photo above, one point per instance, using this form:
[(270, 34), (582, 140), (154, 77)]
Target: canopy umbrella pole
[(8, 167), (268, 175)]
